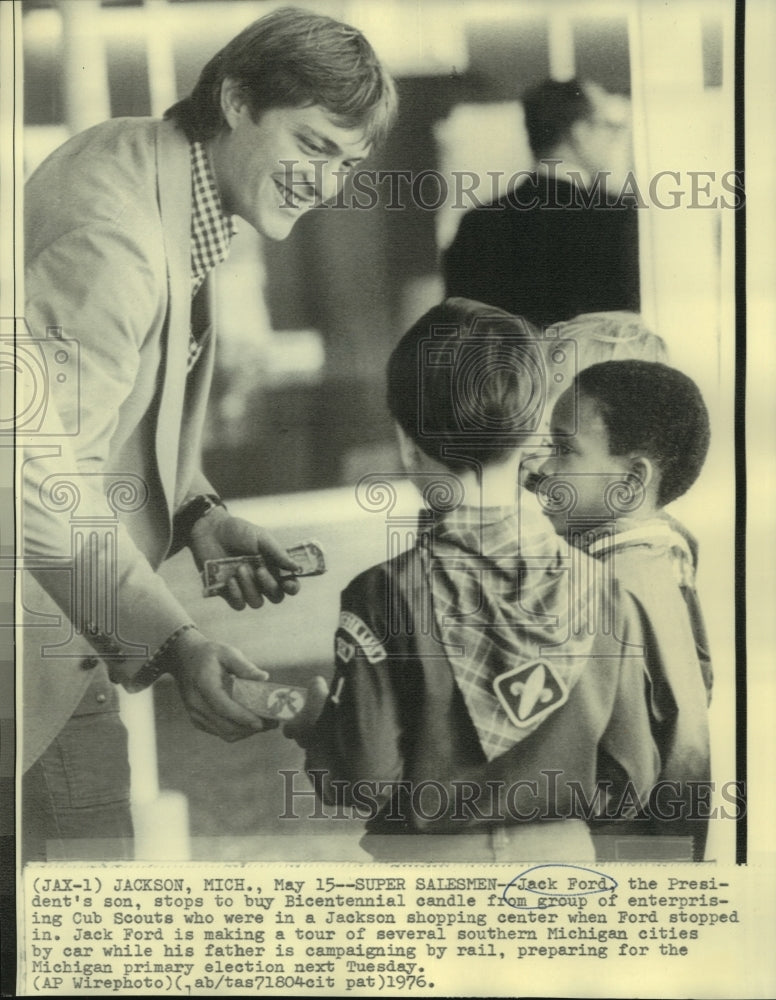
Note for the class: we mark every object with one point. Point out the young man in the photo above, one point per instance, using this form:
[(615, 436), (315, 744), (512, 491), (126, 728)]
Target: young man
[(562, 242), (479, 693), (124, 225), (631, 437)]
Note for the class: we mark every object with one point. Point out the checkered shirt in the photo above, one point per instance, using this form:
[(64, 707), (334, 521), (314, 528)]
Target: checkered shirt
[(502, 598), (211, 231)]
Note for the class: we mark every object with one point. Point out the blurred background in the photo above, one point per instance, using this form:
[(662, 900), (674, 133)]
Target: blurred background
[(306, 326)]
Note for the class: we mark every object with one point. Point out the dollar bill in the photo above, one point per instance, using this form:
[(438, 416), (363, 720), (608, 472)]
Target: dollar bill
[(217, 573)]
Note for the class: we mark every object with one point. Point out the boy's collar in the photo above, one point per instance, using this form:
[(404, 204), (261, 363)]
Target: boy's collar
[(656, 532), (468, 515), (468, 526)]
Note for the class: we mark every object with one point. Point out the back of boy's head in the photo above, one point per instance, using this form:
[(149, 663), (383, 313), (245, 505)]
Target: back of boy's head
[(609, 336), (650, 408), (466, 383)]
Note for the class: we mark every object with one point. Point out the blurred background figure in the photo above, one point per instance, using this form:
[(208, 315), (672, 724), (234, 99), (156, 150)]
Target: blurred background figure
[(565, 240)]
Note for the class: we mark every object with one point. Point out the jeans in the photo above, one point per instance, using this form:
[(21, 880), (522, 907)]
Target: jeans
[(75, 797)]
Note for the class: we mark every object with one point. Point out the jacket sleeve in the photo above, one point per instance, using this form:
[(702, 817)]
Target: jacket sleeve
[(97, 283), (198, 486), (672, 712), (358, 737), (677, 693), (629, 738)]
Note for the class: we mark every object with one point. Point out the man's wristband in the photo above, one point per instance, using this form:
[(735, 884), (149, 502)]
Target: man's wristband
[(191, 512), (162, 662)]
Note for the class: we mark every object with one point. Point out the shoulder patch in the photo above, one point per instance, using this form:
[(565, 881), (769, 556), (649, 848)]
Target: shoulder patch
[(365, 638), (345, 650)]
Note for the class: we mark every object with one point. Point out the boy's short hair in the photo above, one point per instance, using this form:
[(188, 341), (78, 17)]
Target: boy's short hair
[(294, 58), (466, 383), (550, 109), (651, 408), (609, 336)]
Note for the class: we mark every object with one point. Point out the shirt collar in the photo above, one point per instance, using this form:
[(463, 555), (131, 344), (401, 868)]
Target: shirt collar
[(655, 532), (211, 228), (466, 519), (488, 530), (659, 534)]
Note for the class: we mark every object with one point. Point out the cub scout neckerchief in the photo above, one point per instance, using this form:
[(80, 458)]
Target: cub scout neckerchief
[(518, 617)]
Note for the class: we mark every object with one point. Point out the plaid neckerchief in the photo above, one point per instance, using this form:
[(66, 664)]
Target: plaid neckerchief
[(511, 616), (211, 230)]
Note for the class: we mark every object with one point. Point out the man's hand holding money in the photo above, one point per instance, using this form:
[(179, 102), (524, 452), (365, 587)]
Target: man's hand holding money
[(219, 535)]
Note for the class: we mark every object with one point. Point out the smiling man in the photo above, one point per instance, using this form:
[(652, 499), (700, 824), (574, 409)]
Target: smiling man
[(285, 111), (270, 171), (124, 225)]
